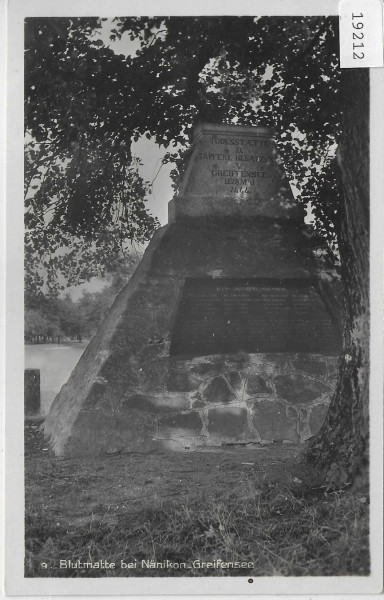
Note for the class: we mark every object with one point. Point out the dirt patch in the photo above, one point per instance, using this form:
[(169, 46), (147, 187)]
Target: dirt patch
[(132, 479)]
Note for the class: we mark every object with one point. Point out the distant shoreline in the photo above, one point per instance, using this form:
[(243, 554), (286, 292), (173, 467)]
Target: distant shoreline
[(62, 343)]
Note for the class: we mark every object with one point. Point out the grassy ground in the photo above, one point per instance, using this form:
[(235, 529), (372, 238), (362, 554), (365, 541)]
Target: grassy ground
[(240, 505)]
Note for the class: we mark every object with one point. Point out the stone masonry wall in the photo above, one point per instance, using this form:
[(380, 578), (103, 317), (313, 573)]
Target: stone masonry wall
[(246, 398)]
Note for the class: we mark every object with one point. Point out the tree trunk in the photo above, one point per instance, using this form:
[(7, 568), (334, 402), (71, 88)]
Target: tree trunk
[(341, 449)]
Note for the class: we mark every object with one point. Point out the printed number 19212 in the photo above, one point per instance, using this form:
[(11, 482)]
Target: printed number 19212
[(358, 35)]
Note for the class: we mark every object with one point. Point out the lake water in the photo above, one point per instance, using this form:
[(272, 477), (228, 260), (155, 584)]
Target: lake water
[(56, 363)]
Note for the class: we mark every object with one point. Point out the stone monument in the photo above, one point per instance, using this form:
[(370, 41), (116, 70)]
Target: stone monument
[(227, 332)]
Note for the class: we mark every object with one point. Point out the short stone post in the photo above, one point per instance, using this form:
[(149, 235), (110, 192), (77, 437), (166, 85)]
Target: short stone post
[(31, 391)]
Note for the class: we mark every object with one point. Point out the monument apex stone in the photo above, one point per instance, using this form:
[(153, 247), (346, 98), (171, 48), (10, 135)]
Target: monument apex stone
[(234, 172)]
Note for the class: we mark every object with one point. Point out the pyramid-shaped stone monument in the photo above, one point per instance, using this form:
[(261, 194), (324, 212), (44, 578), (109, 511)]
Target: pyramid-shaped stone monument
[(228, 331)]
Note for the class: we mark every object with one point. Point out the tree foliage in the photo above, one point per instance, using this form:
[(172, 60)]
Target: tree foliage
[(85, 105), (85, 201)]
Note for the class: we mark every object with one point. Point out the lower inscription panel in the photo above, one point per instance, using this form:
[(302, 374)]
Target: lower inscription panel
[(225, 316)]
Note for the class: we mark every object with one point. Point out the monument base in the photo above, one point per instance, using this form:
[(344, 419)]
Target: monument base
[(136, 389)]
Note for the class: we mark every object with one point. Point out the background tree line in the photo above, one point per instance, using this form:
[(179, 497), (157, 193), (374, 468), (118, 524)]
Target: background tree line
[(57, 319), (50, 318)]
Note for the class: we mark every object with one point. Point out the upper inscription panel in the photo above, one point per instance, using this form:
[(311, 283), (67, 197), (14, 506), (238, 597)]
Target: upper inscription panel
[(240, 164)]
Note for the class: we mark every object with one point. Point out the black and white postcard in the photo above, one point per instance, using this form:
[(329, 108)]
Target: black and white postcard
[(194, 298)]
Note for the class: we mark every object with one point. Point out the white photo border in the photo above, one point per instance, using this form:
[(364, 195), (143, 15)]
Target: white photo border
[(15, 582)]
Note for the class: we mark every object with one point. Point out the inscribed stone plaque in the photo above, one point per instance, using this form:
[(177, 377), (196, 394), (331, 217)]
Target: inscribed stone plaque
[(235, 170), (225, 316), (235, 161)]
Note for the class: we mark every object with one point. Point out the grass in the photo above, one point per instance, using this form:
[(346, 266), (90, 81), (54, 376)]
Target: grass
[(286, 531)]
